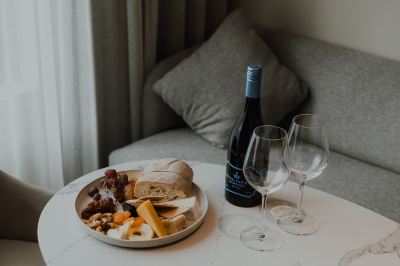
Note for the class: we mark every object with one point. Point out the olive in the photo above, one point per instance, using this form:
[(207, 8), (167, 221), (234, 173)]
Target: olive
[(130, 208), (110, 173), (92, 191), (96, 196)]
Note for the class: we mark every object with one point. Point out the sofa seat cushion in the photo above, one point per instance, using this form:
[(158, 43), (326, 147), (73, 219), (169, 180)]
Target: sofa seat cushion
[(367, 185), (19, 253), (181, 143), (359, 182)]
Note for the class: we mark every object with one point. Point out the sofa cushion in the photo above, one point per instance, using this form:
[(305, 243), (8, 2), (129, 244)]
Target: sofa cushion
[(373, 187), (157, 115), (362, 183), (207, 88), (357, 93), (181, 143), (20, 253)]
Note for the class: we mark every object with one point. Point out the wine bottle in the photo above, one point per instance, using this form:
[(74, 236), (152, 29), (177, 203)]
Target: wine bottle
[(237, 190)]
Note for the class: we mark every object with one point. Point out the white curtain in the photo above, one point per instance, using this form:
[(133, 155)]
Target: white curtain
[(48, 126)]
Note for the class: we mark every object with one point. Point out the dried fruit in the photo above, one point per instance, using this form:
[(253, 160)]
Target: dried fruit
[(130, 219), (102, 206), (120, 217), (138, 221)]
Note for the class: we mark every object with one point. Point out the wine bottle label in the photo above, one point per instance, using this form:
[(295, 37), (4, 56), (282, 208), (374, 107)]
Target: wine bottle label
[(236, 183)]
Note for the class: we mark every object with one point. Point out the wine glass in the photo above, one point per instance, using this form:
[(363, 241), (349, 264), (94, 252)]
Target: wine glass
[(265, 170), (307, 157)]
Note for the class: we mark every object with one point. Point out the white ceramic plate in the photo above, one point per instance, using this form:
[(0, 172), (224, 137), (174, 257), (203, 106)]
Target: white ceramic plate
[(200, 211)]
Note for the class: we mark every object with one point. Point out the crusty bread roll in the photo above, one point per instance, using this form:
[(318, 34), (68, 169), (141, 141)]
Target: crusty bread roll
[(168, 177)]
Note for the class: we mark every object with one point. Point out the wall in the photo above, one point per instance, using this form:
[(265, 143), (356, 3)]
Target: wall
[(371, 26)]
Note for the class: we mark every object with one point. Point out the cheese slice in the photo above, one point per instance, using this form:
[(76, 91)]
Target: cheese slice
[(147, 212), (175, 224), (186, 203), (171, 209), (170, 213)]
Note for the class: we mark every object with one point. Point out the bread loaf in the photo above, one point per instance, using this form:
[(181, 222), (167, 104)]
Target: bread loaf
[(168, 177)]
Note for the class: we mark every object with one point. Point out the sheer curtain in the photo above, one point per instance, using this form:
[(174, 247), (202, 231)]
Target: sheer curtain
[(72, 74), (48, 123)]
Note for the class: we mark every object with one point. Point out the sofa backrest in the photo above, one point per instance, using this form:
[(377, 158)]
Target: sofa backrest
[(358, 94)]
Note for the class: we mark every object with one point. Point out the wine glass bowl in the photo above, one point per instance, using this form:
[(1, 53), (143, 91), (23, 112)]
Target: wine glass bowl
[(265, 170), (307, 157), (308, 148)]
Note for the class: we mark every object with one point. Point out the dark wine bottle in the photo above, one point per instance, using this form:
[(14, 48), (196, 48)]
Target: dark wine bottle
[(237, 190)]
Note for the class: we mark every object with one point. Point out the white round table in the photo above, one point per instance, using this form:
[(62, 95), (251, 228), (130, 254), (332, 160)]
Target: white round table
[(348, 235)]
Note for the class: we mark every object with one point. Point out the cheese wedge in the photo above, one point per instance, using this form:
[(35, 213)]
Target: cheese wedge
[(147, 212)]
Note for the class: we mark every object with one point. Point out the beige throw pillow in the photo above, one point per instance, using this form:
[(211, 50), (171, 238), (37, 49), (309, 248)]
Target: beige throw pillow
[(208, 88)]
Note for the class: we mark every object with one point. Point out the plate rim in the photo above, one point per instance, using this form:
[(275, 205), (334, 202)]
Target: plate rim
[(155, 242)]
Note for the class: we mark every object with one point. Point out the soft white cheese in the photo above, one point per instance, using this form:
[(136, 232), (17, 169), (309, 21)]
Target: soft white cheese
[(128, 231), (120, 232), (143, 232)]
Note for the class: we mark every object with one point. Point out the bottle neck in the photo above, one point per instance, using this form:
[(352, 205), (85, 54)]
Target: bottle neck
[(252, 103), (252, 89)]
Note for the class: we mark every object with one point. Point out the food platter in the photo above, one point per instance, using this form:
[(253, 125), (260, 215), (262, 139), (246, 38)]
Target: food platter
[(199, 213)]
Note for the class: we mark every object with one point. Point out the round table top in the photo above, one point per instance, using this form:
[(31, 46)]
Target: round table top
[(349, 234)]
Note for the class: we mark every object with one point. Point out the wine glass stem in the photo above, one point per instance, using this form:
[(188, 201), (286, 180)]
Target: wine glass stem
[(263, 214), (298, 218)]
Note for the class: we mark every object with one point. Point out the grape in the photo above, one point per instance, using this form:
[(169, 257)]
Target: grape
[(120, 187), (119, 193), (96, 196), (110, 173), (115, 182), (108, 200), (92, 191), (124, 179), (105, 183)]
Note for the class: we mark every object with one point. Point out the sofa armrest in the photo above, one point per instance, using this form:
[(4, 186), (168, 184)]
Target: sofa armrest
[(21, 207)]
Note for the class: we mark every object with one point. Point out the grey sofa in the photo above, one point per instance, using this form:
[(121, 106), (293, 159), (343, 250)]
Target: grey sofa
[(357, 93)]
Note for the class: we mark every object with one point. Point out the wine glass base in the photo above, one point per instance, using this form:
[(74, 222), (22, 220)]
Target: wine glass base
[(307, 226), (233, 224), (254, 238)]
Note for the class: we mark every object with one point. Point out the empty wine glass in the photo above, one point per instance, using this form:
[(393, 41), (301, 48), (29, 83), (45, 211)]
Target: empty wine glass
[(307, 158), (265, 170)]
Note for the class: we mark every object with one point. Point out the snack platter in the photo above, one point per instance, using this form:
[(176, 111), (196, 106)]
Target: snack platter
[(140, 211)]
